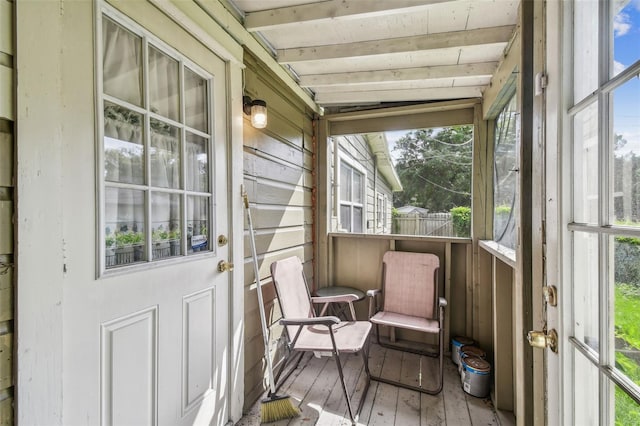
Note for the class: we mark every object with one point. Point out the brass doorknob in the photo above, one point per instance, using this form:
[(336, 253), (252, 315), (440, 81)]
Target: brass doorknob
[(225, 266), (540, 339)]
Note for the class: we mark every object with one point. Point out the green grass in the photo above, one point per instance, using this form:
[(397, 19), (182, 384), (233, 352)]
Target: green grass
[(627, 326)]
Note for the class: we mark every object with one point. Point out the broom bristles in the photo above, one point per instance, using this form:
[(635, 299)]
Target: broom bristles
[(276, 408)]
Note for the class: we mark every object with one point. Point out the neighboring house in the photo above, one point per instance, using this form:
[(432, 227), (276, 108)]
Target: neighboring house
[(363, 184)]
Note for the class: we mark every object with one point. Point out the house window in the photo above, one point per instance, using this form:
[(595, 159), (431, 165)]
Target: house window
[(156, 149), (605, 207), (352, 186), (505, 175)]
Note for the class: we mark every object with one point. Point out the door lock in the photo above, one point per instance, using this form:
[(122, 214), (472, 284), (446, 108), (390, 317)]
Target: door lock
[(541, 339), (225, 266), (222, 240)]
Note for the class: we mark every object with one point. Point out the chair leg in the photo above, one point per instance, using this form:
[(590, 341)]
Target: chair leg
[(440, 355), (289, 357)]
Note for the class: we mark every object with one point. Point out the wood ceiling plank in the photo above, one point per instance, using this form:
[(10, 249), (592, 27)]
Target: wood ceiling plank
[(475, 37), (396, 75), (329, 10), (376, 96)]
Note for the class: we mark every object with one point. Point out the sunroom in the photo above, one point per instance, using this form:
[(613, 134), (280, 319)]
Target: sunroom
[(130, 134)]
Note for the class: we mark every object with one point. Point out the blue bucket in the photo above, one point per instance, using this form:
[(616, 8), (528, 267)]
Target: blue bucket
[(457, 343)]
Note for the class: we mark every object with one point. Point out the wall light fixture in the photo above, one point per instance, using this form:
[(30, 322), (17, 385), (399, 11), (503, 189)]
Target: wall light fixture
[(257, 109)]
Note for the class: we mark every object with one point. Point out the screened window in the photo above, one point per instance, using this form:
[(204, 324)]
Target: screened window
[(156, 150), (352, 186), (605, 232), (505, 175)]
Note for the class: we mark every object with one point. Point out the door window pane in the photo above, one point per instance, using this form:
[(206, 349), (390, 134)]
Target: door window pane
[(626, 163), (585, 289), (165, 155), (197, 224), (165, 222), (123, 147), (626, 39), (124, 226), (164, 91), (586, 388), (627, 410), (585, 166), (195, 101), (585, 41), (157, 171), (627, 305), (197, 163), (121, 63)]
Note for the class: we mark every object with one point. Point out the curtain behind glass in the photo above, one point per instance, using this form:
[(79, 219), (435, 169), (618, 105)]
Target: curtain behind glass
[(122, 63)]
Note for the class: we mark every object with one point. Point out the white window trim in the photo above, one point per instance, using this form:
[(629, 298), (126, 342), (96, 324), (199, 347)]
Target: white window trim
[(354, 164)]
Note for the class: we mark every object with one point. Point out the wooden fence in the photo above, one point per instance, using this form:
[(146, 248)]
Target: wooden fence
[(434, 224)]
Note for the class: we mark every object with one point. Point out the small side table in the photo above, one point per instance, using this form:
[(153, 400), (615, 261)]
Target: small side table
[(339, 291)]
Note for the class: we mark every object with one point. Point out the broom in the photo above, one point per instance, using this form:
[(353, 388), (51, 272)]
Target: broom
[(273, 407)]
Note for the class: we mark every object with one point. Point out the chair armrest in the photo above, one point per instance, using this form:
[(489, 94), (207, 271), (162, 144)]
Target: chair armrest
[(374, 292), (347, 298), (327, 321), (442, 301)]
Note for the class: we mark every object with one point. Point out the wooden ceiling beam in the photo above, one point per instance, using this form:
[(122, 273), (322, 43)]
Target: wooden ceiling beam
[(328, 10), (342, 98), (454, 39), (405, 74)]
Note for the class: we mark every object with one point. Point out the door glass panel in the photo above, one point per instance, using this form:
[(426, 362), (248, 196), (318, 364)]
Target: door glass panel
[(626, 39), (197, 163), (124, 226), (123, 147), (585, 41), (197, 224), (165, 222), (195, 101), (585, 291), (165, 155), (626, 164), (586, 388), (627, 410), (627, 305), (164, 85), (585, 166), (122, 63)]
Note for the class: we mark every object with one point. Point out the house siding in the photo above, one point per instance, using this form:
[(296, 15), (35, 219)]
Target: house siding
[(279, 179)]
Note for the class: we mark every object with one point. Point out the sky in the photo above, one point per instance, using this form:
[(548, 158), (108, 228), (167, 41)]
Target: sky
[(626, 51)]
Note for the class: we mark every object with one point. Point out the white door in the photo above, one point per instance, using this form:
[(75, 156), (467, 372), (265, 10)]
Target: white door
[(146, 338), (593, 206)]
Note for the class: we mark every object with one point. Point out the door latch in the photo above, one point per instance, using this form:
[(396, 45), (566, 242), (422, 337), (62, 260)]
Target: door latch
[(541, 339), (225, 266)]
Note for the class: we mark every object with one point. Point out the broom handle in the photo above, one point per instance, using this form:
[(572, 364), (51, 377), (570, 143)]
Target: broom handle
[(263, 317)]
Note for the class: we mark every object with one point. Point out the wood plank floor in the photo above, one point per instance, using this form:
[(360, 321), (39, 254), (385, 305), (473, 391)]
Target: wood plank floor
[(316, 390)]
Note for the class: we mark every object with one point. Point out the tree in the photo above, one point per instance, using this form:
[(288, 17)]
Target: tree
[(434, 166)]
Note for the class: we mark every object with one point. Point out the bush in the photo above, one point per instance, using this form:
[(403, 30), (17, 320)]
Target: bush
[(627, 260), (461, 217)]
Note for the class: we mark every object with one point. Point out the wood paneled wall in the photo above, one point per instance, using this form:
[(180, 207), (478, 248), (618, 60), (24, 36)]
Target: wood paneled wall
[(279, 179), (7, 183)]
